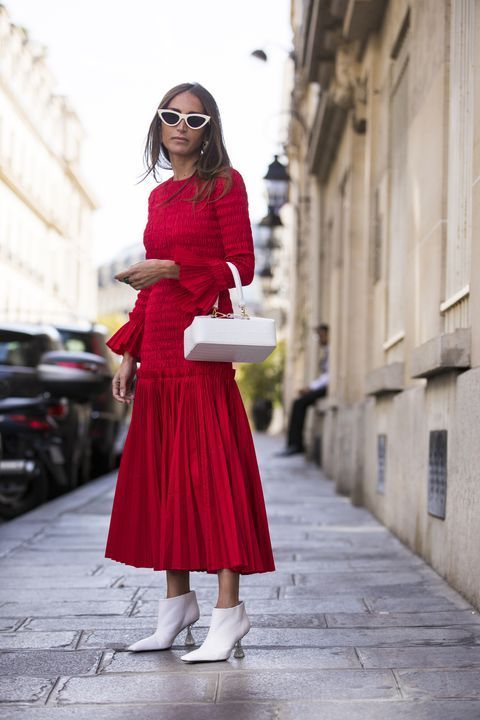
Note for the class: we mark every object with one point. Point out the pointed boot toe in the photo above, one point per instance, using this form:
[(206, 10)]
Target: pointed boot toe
[(228, 626), (174, 614)]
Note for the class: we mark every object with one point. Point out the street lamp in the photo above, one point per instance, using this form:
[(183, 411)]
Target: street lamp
[(271, 220), (266, 230), (260, 54), (276, 180)]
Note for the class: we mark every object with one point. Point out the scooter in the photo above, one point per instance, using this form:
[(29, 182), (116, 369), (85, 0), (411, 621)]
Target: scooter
[(33, 447), (30, 449)]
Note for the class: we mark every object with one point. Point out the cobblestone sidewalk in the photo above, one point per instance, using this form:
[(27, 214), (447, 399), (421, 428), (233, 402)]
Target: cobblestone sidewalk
[(351, 624)]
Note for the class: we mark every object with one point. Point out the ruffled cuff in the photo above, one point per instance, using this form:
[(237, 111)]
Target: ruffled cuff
[(128, 338), (200, 281)]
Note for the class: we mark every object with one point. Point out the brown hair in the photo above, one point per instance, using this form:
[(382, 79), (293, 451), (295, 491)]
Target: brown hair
[(212, 163)]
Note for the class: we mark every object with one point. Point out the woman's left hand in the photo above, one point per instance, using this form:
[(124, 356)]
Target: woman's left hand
[(148, 272)]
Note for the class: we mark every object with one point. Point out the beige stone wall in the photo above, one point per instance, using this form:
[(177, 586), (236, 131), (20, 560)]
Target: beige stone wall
[(47, 272), (394, 245)]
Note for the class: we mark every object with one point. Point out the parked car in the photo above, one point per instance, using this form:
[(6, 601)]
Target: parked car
[(45, 440), (109, 417)]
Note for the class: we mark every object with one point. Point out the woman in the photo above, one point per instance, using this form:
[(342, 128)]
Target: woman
[(188, 493)]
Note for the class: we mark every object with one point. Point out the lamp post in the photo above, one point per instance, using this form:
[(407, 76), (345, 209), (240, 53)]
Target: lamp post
[(277, 181)]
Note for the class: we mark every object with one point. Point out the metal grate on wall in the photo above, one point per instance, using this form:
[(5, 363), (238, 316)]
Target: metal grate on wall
[(437, 473), (381, 461)]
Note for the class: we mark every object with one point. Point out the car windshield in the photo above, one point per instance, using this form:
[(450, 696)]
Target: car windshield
[(18, 349)]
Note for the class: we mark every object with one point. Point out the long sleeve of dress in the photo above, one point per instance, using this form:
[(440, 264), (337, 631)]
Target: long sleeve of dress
[(128, 337), (201, 279)]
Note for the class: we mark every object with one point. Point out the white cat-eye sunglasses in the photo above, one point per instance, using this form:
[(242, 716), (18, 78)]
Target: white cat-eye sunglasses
[(195, 121)]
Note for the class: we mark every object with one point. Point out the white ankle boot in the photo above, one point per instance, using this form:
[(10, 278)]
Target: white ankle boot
[(227, 628), (174, 614)]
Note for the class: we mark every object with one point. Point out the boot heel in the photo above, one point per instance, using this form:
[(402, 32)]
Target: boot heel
[(189, 637), (238, 650)]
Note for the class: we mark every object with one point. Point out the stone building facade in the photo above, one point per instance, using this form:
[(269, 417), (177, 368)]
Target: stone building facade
[(46, 267), (385, 154)]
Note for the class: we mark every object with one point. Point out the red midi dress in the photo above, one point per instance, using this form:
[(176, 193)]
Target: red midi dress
[(188, 494)]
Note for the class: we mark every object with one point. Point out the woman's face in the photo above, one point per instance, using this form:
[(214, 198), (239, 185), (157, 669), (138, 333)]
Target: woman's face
[(191, 140)]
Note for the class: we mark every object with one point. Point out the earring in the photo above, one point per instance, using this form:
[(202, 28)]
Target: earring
[(204, 145)]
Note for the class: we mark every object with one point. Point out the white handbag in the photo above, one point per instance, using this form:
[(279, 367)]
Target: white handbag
[(230, 338)]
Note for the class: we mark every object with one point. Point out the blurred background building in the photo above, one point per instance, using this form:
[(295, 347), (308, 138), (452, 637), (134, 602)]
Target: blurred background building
[(46, 268), (116, 299), (384, 154)]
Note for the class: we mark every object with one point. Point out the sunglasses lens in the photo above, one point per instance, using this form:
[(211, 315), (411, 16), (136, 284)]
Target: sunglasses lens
[(195, 121), (169, 117)]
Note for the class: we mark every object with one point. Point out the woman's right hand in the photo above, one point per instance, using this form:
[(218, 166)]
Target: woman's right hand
[(123, 379)]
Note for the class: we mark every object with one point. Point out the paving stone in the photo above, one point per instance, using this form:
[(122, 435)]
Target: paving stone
[(423, 684), (255, 659), (57, 609), (345, 564), (353, 579), (158, 584), (314, 550), (7, 545), (24, 689), (421, 657), (373, 564), (37, 640), (38, 596), (50, 541), (11, 570), (86, 622), (306, 637), (119, 639), (10, 623), (87, 582), (327, 603), (102, 506), (357, 586), (20, 529), (411, 603), (99, 622), (322, 684), (287, 532), (254, 592), (144, 687), (48, 663), (405, 619), (297, 620), (196, 711), (202, 580), (111, 567), (361, 637), (361, 710), (58, 558)]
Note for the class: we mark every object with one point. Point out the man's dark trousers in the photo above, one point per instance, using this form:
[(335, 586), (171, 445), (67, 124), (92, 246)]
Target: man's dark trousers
[(297, 416)]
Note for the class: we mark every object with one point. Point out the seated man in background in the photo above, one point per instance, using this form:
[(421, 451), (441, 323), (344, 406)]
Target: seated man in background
[(307, 396)]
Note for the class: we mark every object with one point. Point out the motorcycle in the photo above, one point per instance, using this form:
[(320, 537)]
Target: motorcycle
[(36, 452)]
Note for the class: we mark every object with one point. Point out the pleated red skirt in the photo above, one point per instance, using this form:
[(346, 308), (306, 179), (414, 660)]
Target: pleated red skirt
[(188, 493)]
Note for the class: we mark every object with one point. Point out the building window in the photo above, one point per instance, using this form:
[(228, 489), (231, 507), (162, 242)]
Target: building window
[(398, 217), (381, 461), (377, 239), (460, 164), (437, 473)]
